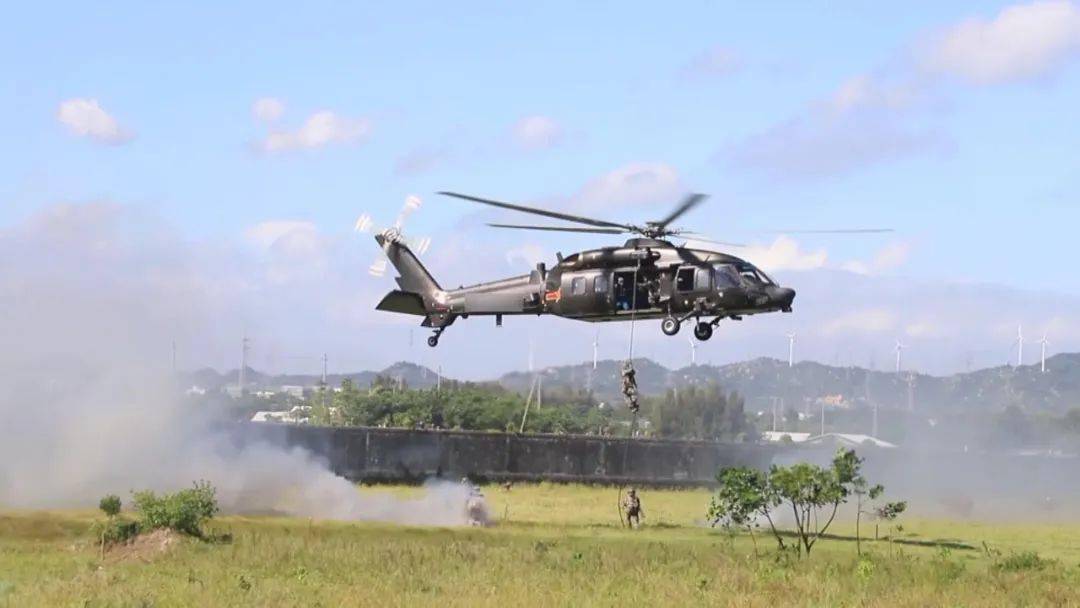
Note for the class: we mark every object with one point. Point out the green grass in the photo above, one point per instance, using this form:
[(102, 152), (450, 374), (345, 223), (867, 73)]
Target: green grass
[(552, 545)]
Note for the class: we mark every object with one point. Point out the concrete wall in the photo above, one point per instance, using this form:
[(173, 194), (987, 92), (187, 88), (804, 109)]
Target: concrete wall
[(399, 454)]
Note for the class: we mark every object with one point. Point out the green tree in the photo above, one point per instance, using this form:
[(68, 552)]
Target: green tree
[(744, 494), (813, 493)]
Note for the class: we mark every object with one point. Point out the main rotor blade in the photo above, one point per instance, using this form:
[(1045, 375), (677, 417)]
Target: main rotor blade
[(690, 236), (839, 231), (688, 203), (543, 212), (561, 228)]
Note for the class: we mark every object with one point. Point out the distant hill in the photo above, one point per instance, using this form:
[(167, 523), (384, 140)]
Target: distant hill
[(806, 382), (758, 381)]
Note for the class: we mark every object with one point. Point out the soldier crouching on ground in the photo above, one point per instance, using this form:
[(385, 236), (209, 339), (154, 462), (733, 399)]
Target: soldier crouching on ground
[(632, 506), (475, 506)]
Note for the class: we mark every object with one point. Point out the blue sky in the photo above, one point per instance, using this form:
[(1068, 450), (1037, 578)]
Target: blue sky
[(954, 123)]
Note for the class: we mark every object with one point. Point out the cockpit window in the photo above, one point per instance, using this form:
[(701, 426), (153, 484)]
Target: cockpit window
[(753, 275), (724, 276)]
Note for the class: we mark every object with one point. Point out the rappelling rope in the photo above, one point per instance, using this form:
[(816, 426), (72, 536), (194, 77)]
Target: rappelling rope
[(634, 420)]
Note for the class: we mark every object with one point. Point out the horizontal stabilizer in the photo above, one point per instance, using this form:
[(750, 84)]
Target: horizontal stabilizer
[(404, 302)]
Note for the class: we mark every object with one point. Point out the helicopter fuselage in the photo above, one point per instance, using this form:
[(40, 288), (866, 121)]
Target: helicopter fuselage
[(643, 279)]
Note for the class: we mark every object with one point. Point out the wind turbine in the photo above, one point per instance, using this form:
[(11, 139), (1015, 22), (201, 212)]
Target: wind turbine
[(693, 350), (1043, 343), (595, 348), (1019, 346), (900, 346), (791, 349)]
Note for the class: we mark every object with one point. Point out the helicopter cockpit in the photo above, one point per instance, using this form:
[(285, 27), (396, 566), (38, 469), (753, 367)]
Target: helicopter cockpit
[(740, 274)]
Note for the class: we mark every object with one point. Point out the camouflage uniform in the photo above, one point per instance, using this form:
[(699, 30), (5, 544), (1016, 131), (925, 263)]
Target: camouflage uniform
[(629, 386), (632, 506)]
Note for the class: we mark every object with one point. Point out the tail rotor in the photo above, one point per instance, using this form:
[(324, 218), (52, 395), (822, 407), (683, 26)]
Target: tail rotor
[(393, 234)]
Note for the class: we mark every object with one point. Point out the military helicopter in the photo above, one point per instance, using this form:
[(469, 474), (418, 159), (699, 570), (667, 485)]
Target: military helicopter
[(647, 277)]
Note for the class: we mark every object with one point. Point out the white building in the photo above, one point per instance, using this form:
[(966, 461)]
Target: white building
[(778, 436), (848, 440), (297, 415)]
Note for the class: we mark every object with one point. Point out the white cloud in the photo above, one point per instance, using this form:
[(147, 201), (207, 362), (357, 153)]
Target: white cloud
[(863, 91), (814, 145), (1023, 41), (267, 109), (783, 254), (892, 255), (420, 160), (874, 320), (633, 184), (294, 235), (320, 129), (711, 63), (528, 254), (86, 118), (537, 132), (924, 328)]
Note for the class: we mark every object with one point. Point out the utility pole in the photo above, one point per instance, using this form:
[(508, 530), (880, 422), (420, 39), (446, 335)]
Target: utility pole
[(326, 389), (911, 391), (438, 378), (244, 346), (822, 416)]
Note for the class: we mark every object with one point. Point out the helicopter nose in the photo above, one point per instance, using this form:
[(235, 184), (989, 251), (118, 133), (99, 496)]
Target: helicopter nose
[(783, 296)]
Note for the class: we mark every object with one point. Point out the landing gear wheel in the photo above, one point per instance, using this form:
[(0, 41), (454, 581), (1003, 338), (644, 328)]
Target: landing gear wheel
[(670, 326), (703, 331), (433, 341)]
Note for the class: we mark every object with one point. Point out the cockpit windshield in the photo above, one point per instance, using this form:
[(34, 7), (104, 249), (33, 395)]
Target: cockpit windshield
[(752, 274)]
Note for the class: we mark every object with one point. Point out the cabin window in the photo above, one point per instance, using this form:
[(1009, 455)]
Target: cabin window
[(684, 281), (577, 286), (702, 279), (600, 284)]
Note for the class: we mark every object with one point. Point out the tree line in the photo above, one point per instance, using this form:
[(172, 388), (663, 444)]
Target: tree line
[(706, 413)]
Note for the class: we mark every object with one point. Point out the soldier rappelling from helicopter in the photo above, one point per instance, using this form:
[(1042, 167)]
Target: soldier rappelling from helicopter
[(629, 386)]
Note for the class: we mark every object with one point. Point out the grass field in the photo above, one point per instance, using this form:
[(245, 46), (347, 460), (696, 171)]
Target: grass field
[(551, 545)]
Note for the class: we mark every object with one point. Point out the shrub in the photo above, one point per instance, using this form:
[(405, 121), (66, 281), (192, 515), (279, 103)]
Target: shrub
[(1025, 560), (118, 530), (184, 511), (110, 505)]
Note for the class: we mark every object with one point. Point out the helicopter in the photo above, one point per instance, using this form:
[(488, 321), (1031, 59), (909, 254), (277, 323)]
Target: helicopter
[(648, 277)]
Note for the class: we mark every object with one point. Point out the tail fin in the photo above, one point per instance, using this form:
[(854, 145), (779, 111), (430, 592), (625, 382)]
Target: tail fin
[(414, 277)]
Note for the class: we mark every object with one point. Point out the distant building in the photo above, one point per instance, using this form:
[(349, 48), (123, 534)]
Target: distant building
[(848, 440), (778, 436), (195, 391), (297, 415), (293, 390), (833, 401)]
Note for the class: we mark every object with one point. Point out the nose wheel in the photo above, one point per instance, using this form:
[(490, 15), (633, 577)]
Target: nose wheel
[(433, 340), (703, 331), (670, 326)]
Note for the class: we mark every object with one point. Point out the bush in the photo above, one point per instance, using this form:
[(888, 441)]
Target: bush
[(1018, 562), (184, 511), (110, 505), (118, 530)]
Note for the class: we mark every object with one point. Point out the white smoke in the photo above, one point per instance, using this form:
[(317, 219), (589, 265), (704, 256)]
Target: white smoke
[(92, 297)]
